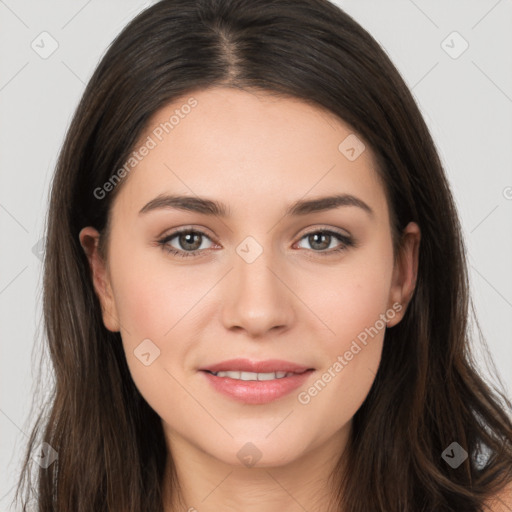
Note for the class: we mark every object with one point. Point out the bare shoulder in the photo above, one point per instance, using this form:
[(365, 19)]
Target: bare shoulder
[(502, 502)]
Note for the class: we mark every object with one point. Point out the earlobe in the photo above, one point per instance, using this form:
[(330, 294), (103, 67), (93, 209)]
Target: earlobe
[(89, 240), (405, 272)]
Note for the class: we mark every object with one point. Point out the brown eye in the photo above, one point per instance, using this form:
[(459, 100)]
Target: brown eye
[(188, 242), (322, 240)]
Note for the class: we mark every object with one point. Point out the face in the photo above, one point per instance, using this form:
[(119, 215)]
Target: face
[(278, 275)]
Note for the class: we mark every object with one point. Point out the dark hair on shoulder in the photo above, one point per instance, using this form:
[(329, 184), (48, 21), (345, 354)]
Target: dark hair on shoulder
[(428, 391)]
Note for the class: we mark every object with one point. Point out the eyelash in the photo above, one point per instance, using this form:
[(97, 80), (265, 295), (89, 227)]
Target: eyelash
[(347, 242)]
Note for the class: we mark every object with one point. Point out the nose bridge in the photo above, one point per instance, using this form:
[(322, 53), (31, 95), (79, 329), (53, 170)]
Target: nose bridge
[(257, 299)]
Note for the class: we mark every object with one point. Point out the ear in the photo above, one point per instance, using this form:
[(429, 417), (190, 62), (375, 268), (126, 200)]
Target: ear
[(89, 239), (405, 271)]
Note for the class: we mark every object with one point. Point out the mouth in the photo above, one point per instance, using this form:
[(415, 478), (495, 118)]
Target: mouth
[(256, 382)]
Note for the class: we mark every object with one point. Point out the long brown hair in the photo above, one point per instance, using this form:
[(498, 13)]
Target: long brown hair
[(427, 393)]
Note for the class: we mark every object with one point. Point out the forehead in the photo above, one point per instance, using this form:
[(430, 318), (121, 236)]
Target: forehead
[(244, 147)]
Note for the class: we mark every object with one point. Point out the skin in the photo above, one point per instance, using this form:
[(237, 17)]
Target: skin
[(257, 154)]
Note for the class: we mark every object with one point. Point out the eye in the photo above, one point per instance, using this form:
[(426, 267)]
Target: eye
[(188, 240), (321, 239)]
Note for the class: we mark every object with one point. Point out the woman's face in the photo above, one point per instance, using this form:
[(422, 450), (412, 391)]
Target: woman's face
[(264, 281)]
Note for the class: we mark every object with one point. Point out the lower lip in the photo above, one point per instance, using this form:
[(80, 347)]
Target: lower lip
[(257, 392)]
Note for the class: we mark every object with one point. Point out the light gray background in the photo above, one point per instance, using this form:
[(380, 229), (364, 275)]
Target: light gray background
[(466, 101)]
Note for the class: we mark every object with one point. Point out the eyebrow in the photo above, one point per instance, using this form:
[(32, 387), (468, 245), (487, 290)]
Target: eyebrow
[(216, 208)]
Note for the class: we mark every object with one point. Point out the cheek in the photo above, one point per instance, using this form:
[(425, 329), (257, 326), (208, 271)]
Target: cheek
[(355, 309), (352, 298), (351, 359), (153, 296), (152, 312), (142, 307), (157, 302)]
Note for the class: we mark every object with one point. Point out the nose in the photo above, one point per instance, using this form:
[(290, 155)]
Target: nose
[(257, 298)]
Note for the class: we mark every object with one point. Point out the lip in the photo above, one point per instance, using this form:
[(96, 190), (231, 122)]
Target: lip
[(253, 391), (267, 366)]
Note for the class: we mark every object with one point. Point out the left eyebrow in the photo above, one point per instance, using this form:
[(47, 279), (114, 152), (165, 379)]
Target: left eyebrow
[(216, 208)]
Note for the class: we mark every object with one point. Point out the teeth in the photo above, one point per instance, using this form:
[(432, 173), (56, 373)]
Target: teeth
[(253, 375)]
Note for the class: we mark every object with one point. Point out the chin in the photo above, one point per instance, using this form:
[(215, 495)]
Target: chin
[(258, 452)]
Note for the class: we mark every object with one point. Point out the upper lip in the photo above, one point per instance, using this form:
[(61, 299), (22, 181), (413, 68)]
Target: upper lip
[(267, 366)]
